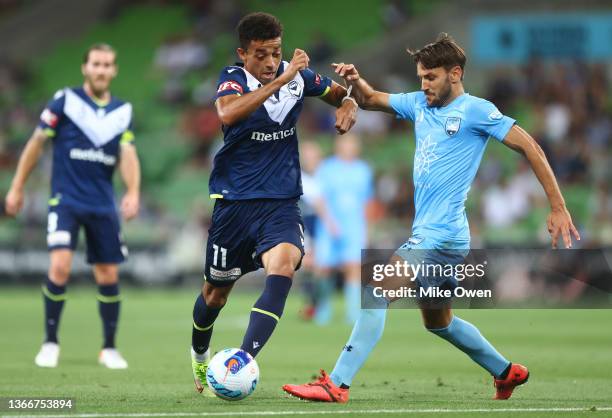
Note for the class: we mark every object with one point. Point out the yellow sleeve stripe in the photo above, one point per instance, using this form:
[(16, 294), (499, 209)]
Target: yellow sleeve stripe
[(109, 299), (270, 314), (49, 132), (127, 137), (54, 201), (327, 89), (204, 328), (216, 196), (54, 298)]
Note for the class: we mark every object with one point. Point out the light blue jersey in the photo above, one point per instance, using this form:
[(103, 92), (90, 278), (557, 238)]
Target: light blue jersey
[(450, 143), (346, 187)]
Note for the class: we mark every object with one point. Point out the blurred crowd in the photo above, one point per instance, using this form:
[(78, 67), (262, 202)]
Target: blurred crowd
[(565, 106)]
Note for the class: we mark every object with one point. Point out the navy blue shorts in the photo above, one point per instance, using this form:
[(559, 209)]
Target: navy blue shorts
[(102, 233), (242, 230)]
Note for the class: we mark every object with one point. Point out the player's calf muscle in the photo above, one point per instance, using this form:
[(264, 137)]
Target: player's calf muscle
[(216, 297)]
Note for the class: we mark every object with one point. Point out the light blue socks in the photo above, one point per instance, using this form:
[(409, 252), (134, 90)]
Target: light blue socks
[(324, 310), (468, 339), (352, 301), (367, 331)]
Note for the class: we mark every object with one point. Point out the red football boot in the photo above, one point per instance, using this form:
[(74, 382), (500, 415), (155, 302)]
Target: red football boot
[(322, 390), (517, 376)]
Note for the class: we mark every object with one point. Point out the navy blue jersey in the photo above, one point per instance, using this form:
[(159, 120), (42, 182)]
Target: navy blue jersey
[(86, 137), (259, 157)]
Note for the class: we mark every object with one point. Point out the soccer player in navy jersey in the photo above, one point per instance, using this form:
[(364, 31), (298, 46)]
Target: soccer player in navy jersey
[(91, 134), (452, 129), (256, 181)]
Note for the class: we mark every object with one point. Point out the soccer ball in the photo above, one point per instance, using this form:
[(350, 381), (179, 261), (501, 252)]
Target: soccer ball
[(232, 374)]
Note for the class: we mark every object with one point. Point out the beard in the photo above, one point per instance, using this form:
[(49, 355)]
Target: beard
[(442, 98), (98, 87)]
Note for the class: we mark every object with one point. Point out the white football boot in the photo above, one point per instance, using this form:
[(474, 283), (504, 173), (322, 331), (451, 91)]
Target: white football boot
[(48, 355), (112, 359)]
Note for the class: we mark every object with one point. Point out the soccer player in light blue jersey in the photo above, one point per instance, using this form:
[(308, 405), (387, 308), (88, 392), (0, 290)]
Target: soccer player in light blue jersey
[(346, 187), (452, 129)]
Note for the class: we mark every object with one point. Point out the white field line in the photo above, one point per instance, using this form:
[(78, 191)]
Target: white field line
[(319, 412)]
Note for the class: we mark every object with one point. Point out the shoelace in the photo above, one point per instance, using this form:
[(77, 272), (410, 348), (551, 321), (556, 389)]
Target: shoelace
[(322, 380)]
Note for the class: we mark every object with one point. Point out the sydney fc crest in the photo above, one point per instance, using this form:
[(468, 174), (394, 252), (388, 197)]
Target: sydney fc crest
[(452, 125)]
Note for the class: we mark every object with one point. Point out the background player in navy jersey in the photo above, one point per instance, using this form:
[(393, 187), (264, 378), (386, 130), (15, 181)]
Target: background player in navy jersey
[(256, 181), (91, 135), (452, 129)]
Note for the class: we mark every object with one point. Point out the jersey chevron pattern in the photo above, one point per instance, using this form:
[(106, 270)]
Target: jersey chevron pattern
[(259, 157), (86, 137)]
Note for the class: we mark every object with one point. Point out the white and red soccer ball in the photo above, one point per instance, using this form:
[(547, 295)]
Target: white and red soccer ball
[(232, 374)]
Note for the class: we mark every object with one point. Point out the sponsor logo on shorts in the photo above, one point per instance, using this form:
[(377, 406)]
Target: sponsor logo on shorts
[(58, 238), (221, 275)]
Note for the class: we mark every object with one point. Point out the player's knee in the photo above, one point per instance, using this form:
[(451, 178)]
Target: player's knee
[(283, 266), (106, 274), (59, 273), (216, 299), (286, 270)]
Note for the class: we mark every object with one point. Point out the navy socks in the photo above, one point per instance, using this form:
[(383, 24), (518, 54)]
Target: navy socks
[(266, 313), (203, 320), (53, 297), (109, 303)]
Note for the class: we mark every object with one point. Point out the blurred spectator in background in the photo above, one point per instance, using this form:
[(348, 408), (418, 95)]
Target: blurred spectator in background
[(346, 187), (321, 50), (176, 57), (394, 14)]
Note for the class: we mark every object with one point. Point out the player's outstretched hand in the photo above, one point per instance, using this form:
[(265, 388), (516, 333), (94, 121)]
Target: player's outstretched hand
[(130, 204), (346, 71), (560, 222), (299, 62), (14, 202)]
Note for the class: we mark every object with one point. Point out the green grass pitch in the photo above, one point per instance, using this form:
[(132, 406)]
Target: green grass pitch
[(569, 353)]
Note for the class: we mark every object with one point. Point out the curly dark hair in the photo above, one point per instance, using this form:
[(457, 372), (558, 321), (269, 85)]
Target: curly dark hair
[(258, 27), (444, 52)]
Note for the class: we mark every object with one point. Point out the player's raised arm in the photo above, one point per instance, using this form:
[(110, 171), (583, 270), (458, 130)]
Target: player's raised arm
[(366, 96), (559, 221), (234, 108), (27, 162), (129, 166)]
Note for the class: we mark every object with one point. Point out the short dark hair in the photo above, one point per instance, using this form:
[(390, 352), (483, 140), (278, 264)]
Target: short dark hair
[(99, 47), (444, 52), (258, 27)]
